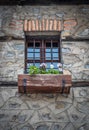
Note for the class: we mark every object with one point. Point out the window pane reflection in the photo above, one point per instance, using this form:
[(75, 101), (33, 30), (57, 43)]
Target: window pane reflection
[(37, 65), (30, 55), (37, 55), (30, 50), (37, 50), (55, 50), (48, 50), (48, 56), (55, 56)]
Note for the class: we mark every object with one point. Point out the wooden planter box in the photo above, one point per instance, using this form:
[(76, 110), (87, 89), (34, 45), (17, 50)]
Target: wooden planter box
[(46, 83)]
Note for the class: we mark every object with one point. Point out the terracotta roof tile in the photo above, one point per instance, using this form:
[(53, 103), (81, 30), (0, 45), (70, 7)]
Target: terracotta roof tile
[(33, 25), (42, 25), (55, 25), (47, 25), (37, 25), (59, 25), (29, 26)]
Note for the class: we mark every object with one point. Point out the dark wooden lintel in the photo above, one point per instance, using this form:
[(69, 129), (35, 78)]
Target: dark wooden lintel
[(70, 39), (9, 38), (8, 83), (80, 83)]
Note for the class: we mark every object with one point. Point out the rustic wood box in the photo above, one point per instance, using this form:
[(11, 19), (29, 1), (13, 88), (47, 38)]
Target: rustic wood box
[(44, 83)]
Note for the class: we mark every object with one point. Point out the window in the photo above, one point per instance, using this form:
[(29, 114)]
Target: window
[(42, 51)]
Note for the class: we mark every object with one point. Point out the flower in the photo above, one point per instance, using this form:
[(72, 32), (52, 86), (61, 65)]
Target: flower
[(60, 69), (59, 65), (42, 69), (43, 64), (51, 66)]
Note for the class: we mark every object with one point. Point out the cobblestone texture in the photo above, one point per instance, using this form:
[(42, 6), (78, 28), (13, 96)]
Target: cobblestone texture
[(44, 111)]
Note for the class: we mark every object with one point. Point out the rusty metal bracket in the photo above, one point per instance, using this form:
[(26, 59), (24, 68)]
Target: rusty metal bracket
[(63, 85), (24, 85)]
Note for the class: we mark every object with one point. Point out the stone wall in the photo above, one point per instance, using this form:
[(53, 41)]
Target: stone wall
[(75, 57), (75, 19), (75, 24), (11, 59)]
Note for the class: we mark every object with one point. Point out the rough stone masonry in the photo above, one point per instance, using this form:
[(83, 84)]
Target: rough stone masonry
[(75, 23)]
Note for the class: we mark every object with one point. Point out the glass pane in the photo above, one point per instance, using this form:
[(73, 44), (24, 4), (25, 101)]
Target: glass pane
[(28, 64), (48, 56), (30, 44), (27, 70), (48, 44), (55, 56), (37, 65), (37, 44), (55, 44), (55, 50), (48, 50), (37, 50), (48, 65), (55, 65), (30, 55), (30, 50), (37, 55)]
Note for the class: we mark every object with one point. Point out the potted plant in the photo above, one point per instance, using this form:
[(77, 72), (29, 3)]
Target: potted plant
[(41, 80), (42, 69)]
